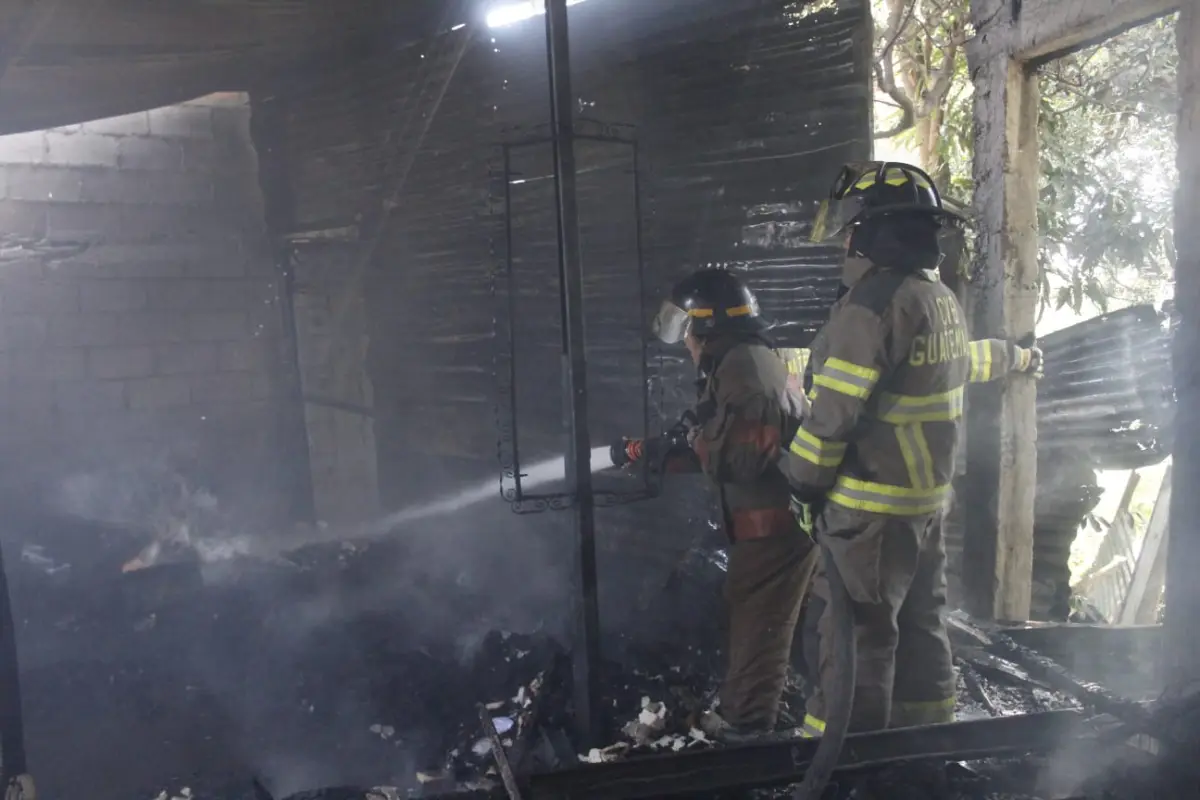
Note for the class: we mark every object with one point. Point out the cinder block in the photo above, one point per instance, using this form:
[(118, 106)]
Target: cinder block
[(264, 320), (185, 359), (198, 154), (81, 222), (186, 121), (81, 330), (112, 363), (137, 124), (40, 296), (201, 295), (48, 364), (81, 149), (89, 397), (145, 152), (45, 183), (20, 218), (255, 355), (158, 223), (24, 270), (152, 327), (23, 148), (112, 295), (23, 330), (149, 394), (146, 187), (224, 387), (217, 326), (221, 262)]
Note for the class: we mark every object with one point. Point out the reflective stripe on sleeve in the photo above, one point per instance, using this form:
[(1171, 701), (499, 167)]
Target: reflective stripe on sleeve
[(880, 498), (981, 361), (847, 378), (899, 409), (817, 451)]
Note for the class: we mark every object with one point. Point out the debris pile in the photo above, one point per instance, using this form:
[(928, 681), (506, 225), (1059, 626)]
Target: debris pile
[(275, 665)]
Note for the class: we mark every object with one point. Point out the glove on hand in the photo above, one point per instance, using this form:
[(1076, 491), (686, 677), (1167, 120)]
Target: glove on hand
[(1029, 361), (1027, 357), (806, 511)]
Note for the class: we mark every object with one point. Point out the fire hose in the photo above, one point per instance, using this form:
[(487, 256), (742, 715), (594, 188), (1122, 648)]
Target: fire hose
[(838, 690)]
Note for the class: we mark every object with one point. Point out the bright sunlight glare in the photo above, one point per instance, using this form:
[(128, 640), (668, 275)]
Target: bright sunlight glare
[(515, 12)]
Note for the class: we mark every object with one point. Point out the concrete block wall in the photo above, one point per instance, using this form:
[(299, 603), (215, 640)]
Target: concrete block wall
[(333, 362), (139, 318)]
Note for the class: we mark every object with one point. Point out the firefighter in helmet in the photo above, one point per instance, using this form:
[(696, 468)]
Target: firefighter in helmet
[(872, 462), (745, 414)]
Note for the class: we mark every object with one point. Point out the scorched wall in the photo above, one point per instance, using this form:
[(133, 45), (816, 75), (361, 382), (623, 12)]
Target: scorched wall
[(394, 188), (138, 312)]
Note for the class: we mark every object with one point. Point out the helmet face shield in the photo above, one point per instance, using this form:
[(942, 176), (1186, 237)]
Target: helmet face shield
[(834, 216), (670, 323)]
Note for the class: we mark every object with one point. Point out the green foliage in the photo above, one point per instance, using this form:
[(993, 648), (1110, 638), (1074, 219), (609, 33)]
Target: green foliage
[(1108, 174), (1106, 144)]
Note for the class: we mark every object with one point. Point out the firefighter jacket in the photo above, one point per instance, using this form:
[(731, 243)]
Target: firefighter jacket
[(889, 374), (746, 412)]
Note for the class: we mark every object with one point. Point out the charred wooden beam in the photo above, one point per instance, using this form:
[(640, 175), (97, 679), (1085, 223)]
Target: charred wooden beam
[(1182, 589), (1055, 676), (782, 762), (498, 755)]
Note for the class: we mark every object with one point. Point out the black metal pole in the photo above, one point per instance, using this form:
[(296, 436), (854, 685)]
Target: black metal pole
[(579, 449), (12, 724)]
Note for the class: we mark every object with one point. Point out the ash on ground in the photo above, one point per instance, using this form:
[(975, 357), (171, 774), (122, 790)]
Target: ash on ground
[(189, 676)]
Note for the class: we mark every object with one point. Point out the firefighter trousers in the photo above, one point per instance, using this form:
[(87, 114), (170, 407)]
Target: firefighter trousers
[(894, 569), (764, 588)]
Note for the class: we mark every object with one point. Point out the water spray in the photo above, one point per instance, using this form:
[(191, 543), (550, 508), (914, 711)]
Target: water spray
[(211, 549), (539, 474)]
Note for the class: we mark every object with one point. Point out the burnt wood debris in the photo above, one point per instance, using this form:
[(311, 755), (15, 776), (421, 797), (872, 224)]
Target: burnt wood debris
[(353, 696)]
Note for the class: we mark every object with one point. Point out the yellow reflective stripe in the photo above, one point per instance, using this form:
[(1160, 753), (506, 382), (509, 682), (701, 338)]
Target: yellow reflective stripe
[(981, 361), (924, 456), (812, 727), (916, 455), (700, 312), (899, 409), (865, 373), (880, 498), (817, 451), (923, 712), (847, 378), (737, 311)]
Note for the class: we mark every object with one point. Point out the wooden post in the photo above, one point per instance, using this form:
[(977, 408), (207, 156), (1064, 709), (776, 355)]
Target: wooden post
[(1002, 450), (1183, 589), (1145, 587)]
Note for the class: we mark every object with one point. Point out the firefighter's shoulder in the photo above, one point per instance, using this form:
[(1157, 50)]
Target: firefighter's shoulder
[(752, 365), (876, 291)]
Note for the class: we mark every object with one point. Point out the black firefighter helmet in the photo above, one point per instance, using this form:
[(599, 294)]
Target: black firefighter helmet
[(708, 302), (866, 190)]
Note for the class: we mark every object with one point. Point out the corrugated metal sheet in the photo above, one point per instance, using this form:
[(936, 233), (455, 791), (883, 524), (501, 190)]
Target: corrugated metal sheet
[(740, 111), (1108, 390)]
